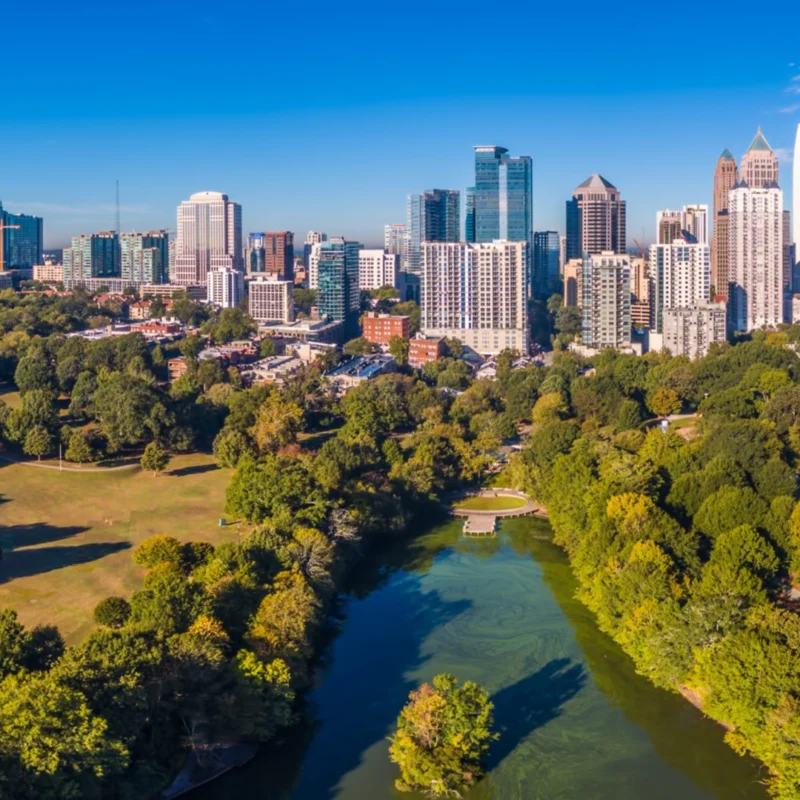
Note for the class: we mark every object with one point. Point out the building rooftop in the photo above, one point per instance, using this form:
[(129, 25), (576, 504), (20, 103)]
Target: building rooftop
[(727, 155), (597, 181), (362, 366), (759, 143)]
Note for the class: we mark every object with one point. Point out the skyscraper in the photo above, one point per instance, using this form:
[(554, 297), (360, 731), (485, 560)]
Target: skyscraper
[(595, 219), (225, 287), (605, 280), (270, 253), (694, 219), (377, 268), (796, 195), (395, 242), (469, 215), (93, 255), (546, 258), (22, 243), (726, 176), (756, 257), (759, 166), (144, 257), (669, 226), (478, 293), (312, 238), (433, 216), (681, 275), (209, 237), (338, 296)]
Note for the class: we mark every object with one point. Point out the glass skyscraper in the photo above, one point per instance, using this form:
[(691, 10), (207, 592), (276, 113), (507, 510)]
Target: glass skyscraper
[(22, 246), (94, 255), (144, 257), (503, 196), (469, 218), (433, 216), (338, 296), (546, 252)]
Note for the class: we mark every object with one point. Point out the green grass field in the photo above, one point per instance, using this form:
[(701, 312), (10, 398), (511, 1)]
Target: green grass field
[(68, 537), (490, 503)]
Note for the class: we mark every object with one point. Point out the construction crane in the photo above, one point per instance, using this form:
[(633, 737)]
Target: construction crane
[(4, 227)]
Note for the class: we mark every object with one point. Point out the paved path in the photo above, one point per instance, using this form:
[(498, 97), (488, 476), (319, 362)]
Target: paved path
[(520, 511), (57, 468)]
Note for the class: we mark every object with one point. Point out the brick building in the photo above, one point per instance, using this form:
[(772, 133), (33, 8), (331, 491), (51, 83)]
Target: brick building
[(380, 328)]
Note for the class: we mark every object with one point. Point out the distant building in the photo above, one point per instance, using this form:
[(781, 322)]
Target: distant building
[(209, 237), (546, 272), (726, 176), (690, 331), (477, 293), (338, 296), (433, 216), (395, 242), (571, 280), (606, 301), (304, 330), (381, 328), (641, 294), (312, 238), (359, 370), (271, 300), (760, 167), (423, 350), (596, 219), (21, 241), (669, 226), (271, 253), (795, 309), (377, 269), (756, 257), (225, 287), (695, 221), (144, 257), (48, 272), (681, 274), (94, 255)]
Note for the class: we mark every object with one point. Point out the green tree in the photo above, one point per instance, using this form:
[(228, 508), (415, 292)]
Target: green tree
[(360, 346), (79, 449), (664, 402), (37, 442), (155, 458), (123, 404), (113, 612), (267, 348), (277, 422), (230, 445), (443, 735), (398, 349), (155, 550), (550, 407), (33, 372), (168, 602)]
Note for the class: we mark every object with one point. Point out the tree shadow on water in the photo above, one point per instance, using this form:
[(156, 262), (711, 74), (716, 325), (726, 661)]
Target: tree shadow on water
[(532, 702)]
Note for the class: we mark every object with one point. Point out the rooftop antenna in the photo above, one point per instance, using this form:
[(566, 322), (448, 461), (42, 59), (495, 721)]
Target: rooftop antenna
[(119, 230)]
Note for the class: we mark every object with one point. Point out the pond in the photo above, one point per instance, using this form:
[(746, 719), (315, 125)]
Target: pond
[(575, 719)]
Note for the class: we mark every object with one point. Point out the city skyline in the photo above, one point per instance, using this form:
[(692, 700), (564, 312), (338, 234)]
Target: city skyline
[(300, 152)]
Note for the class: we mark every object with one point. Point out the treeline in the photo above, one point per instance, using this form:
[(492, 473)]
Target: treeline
[(218, 640), (685, 547)]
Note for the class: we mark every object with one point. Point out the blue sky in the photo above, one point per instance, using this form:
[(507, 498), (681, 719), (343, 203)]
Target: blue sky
[(324, 116)]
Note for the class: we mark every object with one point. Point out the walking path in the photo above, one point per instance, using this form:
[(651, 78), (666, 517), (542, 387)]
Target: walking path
[(59, 468)]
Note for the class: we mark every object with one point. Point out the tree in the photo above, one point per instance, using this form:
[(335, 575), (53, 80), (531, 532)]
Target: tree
[(230, 445), (442, 737), (168, 602), (568, 320), (360, 347), (549, 407), (123, 404), (267, 348), (39, 407), (37, 442), (398, 349), (113, 612), (79, 449), (33, 372), (154, 458), (277, 423), (232, 324), (664, 402), (157, 550)]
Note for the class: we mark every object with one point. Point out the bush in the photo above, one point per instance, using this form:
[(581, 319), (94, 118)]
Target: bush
[(113, 612)]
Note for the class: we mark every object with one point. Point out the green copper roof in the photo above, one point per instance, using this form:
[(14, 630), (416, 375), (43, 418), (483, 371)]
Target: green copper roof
[(726, 155), (759, 143)]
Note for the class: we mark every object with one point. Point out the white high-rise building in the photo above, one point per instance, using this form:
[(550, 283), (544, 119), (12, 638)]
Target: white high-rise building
[(477, 293), (681, 275), (605, 280), (313, 264), (796, 196), (690, 331), (225, 287), (315, 237), (271, 300), (377, 268), (209, 237), (694, 219), (756, 257)]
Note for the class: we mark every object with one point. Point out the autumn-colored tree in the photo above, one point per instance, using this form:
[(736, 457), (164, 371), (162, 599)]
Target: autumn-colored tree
[(277, 422), (664, 402), (550, 407)]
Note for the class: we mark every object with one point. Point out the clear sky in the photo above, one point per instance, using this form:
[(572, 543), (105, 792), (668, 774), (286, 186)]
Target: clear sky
[(325, 116)]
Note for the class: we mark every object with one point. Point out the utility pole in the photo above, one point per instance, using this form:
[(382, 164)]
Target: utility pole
[(4, 227)]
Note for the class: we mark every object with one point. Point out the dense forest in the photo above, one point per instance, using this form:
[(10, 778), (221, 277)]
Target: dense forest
[(684, 542)]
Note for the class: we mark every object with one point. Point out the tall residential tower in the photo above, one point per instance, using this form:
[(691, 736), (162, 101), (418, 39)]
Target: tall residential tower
[(595, 219), (726, 176), (433, 216)]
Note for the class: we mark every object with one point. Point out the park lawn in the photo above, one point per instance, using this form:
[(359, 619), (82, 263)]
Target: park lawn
[(500, 503), (68, 537)]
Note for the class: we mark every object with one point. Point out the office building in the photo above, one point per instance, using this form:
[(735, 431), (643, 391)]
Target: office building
[(681, 275), (690, 331), (595, 219), (255, 255), (338, 296), (469, 215), (726, 176), (759, 167), (271, 300), (21, 240), (312, 238), (93, 255), (756, 257), (224, 287), (478, 293), (209, 237), (377, 268), (144, 257), (605, 280), (546, 266), (433, 216), (796, 196), (694, 220), (270, 253), (382, 328), (502, 197), (669, 226), (395, 242)]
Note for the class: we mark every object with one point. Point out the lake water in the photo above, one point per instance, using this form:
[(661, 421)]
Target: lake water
[(575, 719)]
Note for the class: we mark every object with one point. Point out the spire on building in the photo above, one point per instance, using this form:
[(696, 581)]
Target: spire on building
[(759, 143), (727, 155)]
